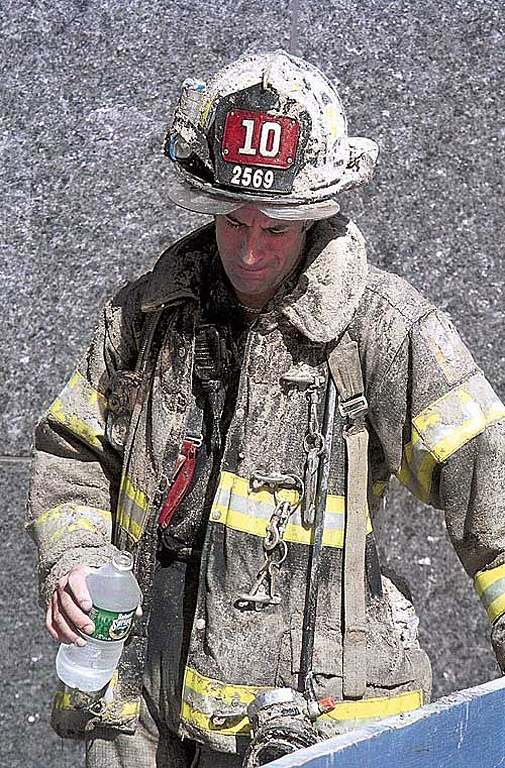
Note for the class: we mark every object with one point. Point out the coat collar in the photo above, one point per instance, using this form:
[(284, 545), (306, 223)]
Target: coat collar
[(177, 275), (331, 285), (323, 300)]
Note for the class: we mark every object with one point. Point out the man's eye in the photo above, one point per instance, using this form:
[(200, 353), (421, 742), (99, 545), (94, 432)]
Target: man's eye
[(277, 231), (234, 224)]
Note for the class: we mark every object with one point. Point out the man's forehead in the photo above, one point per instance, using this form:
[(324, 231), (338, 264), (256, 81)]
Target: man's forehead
[(250, 214)]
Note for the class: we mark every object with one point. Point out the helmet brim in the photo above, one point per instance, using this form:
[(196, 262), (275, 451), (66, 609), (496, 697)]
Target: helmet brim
[(192, 193), (187, 196)]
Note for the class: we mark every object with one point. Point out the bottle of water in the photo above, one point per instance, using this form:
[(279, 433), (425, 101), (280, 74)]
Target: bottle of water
[(115, 595)]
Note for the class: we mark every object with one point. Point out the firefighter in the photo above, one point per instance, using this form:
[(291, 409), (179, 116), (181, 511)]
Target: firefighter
[(199, 432)]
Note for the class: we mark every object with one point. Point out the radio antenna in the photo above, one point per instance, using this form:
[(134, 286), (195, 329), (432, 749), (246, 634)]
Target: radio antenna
[(293, 40)]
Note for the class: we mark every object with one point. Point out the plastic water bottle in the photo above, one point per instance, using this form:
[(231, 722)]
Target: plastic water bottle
[(115, 595)]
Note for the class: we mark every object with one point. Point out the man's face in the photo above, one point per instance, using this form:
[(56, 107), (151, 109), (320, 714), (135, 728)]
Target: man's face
[(258, 252)]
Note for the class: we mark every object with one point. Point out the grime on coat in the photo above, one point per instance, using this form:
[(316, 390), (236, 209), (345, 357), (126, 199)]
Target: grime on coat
[(434, 422)]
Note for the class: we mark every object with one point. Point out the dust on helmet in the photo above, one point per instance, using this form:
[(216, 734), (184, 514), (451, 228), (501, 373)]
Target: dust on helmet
[(268, 130)]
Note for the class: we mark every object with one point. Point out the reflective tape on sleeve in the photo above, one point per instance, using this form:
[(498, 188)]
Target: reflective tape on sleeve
[(239, 508), (458, 416), (69, 518), (490, 586), (129, 710), (417, 467), (81, 408)]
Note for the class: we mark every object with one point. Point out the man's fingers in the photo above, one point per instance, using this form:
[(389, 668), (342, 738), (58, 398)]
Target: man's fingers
[(67, 612), (76, 585), (49, 619), (72, 613), (59, 625)]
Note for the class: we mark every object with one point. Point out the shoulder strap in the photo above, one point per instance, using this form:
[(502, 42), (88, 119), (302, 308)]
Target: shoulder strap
[(124, 386), (345, 368)]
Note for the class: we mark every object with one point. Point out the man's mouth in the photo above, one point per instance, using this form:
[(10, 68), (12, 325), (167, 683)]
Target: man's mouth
[(250, 270)]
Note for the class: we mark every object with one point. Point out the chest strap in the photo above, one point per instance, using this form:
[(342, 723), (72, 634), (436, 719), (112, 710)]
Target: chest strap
[(345, 368), (209, 366)]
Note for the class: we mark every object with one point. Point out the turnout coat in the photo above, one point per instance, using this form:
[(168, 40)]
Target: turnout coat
[(433, 420)]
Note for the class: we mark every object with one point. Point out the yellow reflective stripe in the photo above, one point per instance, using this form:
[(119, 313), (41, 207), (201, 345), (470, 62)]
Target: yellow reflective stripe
[(416, 471), (490, 586), (225, 693), (202, 721), (63, 701), (366, 709), (484, 579), (66, 518), (496, 608), (81, 408), (240, 485), (134, 494), (494, 412), (132, 508), (128, 524), (458, 416), (237, 507), (204, 697), (205, 111)]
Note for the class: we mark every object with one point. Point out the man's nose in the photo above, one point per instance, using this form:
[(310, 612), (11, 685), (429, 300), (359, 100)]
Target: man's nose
[(250, 250)]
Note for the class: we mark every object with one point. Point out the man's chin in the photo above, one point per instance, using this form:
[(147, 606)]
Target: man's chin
[(251, 287)]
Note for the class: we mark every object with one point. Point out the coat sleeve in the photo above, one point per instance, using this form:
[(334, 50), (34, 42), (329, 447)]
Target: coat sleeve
[(76, 472), (442, 428)]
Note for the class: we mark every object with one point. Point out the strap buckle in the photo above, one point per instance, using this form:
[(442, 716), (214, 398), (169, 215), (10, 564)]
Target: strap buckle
[(353, 409), (196, 440)]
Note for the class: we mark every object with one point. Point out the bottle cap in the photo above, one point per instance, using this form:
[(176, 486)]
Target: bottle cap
[(123, 561)]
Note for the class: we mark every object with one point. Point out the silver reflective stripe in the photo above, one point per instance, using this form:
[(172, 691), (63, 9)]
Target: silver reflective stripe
[(239, 508), (81, 408), (491, 593), (454, 419)]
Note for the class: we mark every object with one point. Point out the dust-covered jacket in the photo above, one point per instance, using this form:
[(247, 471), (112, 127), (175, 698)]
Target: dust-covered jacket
[(434, 422)]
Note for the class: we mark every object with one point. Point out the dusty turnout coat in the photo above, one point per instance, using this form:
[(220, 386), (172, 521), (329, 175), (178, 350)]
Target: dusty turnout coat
[(433, 421)]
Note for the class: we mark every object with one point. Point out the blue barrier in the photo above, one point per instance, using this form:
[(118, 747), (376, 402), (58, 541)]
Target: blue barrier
[(463, 730)]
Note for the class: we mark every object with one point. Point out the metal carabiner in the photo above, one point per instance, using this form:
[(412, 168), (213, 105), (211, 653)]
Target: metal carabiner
[(272, 537)]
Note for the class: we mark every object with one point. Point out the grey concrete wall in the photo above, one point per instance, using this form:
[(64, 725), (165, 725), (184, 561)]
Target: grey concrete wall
[(87, 90)]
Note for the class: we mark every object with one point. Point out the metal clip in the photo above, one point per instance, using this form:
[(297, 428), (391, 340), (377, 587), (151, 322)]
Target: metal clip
[(275, 548), (353, 409), (277, 526), (274, 480), (262, 591), (197, 440), (220, 718)]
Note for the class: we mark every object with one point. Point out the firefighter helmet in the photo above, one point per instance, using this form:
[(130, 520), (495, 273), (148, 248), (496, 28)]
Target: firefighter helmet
[(268, 130)]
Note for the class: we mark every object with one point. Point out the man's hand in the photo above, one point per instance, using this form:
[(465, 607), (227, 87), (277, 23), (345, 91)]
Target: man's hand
[(68, 610), (69, 607)]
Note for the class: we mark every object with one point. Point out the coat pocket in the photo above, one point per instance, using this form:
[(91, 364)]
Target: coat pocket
[(327, 656), (387, 661)]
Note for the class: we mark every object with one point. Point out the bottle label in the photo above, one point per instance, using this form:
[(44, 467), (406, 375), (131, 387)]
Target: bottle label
[(111, 625)]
